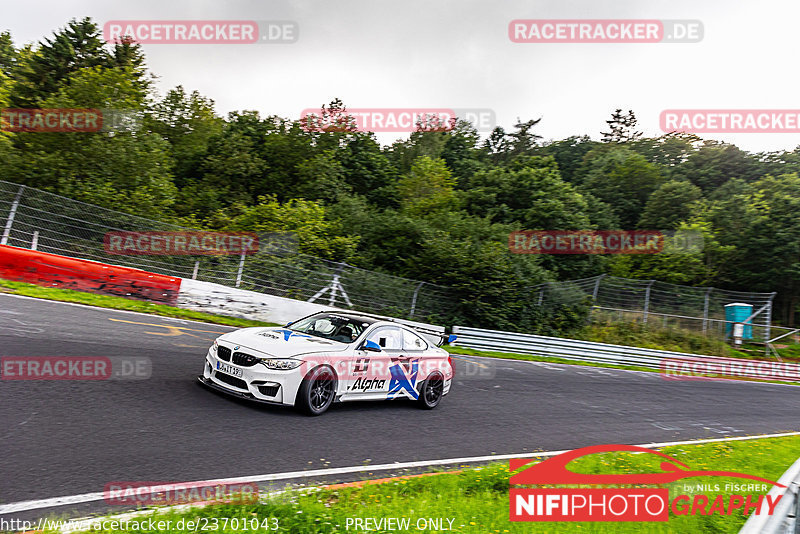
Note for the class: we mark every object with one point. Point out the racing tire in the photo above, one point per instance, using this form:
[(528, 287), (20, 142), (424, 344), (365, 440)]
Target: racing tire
[(431, 392), (317, 391)]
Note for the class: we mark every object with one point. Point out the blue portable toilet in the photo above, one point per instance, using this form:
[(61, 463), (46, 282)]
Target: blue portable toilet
[(737, 313)]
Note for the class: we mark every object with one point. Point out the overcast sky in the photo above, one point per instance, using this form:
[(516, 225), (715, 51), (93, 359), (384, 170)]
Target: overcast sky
[(457, 54)]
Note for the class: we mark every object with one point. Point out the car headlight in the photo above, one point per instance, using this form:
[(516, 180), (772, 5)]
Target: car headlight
[(281, 364)]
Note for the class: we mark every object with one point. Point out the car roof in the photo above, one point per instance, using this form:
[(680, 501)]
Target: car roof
[(429, 334)]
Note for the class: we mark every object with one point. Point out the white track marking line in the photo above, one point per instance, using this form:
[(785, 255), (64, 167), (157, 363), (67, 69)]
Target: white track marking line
[(101, 308), (98, 496)]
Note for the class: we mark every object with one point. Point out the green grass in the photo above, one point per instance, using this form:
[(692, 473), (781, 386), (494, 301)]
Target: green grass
[(121, 303), (651, 336), (477, 497)]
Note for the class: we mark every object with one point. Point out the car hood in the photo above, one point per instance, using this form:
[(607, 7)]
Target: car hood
[(280, 342)]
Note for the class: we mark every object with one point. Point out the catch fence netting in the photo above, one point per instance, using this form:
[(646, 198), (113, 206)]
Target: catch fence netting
[(660, 303), (32, 218)]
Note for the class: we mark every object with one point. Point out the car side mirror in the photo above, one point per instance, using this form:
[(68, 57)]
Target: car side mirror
[(451, 338), (371, 346), (287, 325)]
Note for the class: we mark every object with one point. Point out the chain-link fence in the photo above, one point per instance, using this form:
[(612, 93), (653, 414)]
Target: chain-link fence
[(660, 303), (32, 218)]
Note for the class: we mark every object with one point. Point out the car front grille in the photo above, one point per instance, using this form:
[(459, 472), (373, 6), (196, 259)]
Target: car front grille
[(244, 359), (231, 380), (224, 353)]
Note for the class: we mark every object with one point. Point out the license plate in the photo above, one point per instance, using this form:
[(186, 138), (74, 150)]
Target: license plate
[(227, 369)]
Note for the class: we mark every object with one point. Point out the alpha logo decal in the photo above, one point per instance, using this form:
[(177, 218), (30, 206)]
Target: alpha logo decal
[(363, 384), (404, 378)]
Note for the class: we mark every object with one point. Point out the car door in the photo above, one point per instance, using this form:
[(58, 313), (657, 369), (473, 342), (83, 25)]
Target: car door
[(370, 373)]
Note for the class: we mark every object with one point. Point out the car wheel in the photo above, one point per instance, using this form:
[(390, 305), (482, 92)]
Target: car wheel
[(431, 392), (317, 391)]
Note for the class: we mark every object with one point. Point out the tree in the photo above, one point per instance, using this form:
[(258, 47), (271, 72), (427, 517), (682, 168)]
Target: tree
[(321, 177), (503, 146), (367, 170), (623, 128), (428, 186), (316, 234), (714, 163), (669, 150), (188, 122), (686, 267), (569, 154), (8, 54), (331, 119), (767, 240), (461, 152), (669, 205), (403, 154), (498, 144), (76, 47), (125, 170), (530, 192), (622, 179), (523, 140)]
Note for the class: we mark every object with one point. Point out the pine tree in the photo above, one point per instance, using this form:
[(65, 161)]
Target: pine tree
[(623, 128)]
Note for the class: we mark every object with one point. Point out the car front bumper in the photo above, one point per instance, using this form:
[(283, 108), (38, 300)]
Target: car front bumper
[(257, 383)]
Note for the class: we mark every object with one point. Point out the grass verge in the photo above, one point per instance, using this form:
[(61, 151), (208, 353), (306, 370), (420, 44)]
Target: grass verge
[(476, 499), (121, 303)]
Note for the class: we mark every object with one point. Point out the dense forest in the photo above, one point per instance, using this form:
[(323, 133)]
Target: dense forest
[(437, 207)]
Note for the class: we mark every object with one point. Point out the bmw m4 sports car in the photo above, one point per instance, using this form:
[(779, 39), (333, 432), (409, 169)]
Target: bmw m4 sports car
[(330, 357)]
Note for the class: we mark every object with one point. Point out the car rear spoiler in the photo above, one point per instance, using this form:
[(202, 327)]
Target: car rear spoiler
[(440, 337)]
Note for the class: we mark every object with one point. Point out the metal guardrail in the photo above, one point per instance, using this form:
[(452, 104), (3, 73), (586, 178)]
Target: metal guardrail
[(784, 518), (569, 349)]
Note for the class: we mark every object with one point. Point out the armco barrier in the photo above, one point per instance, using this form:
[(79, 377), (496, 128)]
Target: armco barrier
[(784, 518), (675, 364), (555, 347), (52, 270)]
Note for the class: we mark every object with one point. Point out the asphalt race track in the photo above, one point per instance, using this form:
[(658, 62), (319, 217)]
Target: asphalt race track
[(63, 438)]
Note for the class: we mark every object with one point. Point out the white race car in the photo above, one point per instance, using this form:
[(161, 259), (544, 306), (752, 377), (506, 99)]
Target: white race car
[(329, 357)]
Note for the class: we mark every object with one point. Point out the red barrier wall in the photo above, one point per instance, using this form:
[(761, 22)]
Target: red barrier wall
[(52, 270)]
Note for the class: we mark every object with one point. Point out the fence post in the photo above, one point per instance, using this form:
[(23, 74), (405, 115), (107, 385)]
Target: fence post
[(35, 240), (414, 300), (705, 310), (196, 268), (597, 288), (241, 269), (647, 301), (11, 215), (768, 328)]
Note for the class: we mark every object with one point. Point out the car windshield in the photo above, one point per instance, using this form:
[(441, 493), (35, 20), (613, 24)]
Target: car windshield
[(332, 326)]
